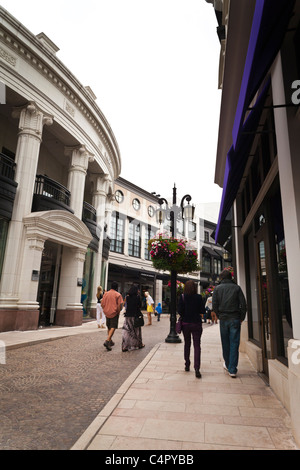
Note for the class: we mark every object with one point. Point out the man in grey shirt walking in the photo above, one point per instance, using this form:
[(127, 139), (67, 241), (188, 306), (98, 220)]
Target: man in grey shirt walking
[(229, 304)]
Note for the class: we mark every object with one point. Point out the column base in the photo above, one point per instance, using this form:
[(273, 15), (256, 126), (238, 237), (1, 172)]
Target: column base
[(68, 317), (18, 320), (294, 386)]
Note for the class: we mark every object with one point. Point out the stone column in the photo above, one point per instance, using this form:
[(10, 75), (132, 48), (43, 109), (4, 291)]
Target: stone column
[(79, 161), (69, 307), (99, 203), (29, 281), (287, 136), (31, 122)]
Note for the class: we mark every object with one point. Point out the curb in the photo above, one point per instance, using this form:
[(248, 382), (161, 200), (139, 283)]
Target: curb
[(85, 440)]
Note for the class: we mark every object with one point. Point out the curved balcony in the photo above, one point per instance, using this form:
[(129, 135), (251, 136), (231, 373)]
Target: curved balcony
[(50, 195), (8, 186), (89, 218)]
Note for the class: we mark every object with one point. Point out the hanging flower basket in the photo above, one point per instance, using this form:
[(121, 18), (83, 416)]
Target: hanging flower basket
[(172, 254), (179, 287)]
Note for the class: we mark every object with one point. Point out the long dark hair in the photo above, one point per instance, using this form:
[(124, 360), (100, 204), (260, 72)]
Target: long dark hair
[(190, 288), (133, 290)]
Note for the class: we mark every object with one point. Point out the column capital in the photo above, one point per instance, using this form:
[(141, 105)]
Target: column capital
[(32, 119), (80, 157)]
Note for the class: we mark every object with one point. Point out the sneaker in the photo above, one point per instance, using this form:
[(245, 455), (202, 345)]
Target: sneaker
[(107, 345), (224, 365), (232, 375)]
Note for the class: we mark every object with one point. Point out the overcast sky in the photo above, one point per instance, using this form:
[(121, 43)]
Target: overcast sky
[(153, 65)]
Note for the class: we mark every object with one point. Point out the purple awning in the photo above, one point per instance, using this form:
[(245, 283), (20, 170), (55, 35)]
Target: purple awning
[(236, 159), (269, 25)]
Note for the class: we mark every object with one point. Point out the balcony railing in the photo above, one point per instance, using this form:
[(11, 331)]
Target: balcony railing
[(89, 218), (88, 212), (45, 186), (8, 186), (7, 167), (50, 195)]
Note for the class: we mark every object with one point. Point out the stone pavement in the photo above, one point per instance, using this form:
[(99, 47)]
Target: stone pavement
[(162, 407)]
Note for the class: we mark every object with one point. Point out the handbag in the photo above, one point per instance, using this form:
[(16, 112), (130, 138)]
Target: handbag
[(178, 326), (138, 320)]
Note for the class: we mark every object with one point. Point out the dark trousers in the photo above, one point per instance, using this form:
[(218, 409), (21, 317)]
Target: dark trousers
[(192, 330)]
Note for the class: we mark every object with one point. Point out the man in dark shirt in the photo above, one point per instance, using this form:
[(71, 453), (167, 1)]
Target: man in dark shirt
[(229, 304)]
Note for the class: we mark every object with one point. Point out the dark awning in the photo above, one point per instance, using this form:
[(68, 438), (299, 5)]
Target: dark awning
[(219, 253), (237, 158), (269, 25), (210, 251)]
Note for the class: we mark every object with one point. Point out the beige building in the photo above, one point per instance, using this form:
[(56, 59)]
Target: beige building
[(258, 167), (58, 162), (133, 223)]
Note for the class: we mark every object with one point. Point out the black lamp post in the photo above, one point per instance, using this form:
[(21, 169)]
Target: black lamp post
[(188, 213)]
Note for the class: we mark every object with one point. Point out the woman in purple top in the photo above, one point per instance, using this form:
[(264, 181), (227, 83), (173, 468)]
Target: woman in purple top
[(190, 309)]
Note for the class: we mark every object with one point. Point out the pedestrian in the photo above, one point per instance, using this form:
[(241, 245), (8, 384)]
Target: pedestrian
[(150, 308), (158, 310), (191, 308), (111, 304), (132, 336), (229, 304), (99, 310), (211, 314)]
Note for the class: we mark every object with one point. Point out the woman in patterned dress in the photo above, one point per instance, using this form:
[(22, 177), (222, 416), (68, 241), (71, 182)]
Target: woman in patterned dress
[(131, 336)]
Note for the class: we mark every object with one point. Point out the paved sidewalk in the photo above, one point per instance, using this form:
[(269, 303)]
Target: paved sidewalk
[(19, 339), (162, 407)]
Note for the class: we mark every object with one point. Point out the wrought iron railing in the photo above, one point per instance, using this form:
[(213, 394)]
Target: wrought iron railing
[(7, 167), (88, 212), (45, 186)]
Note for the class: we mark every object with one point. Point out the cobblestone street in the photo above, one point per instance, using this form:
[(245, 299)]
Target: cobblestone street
[(52, 391)]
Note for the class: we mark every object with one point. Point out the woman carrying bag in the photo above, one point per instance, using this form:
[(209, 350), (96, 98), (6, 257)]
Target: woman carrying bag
[(191, 308), (132, 335)]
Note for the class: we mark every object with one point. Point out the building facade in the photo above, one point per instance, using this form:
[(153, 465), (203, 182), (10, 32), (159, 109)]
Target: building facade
[(58, 162), (213, 258), (133, 223), (258, 167)]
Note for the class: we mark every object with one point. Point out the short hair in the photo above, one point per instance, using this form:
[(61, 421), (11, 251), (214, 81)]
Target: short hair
[(225, 274), (114, 285), (190, 288)]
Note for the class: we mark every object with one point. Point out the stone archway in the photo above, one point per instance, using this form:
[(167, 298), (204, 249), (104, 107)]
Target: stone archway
[(63, 228)]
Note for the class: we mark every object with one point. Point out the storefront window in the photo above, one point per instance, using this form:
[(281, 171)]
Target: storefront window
[(284, 308), (284, 318), (217, 266), (117, 233), (206, 264), (148, 236), (134, 240), (87, 294), (253, 309)]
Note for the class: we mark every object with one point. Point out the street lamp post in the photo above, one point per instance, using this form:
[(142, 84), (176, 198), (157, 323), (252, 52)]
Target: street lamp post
[(187, 212)]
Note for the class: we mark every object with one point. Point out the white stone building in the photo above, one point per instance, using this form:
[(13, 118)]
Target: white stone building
[(59, 159)]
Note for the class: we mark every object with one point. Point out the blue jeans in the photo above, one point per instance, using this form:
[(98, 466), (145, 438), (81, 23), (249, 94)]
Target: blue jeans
[(230, 331)]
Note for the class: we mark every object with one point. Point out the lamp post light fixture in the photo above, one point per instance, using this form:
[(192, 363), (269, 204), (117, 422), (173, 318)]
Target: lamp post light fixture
[(187, 212)]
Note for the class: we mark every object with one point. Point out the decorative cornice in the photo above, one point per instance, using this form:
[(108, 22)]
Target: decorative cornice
[(73, 101)]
